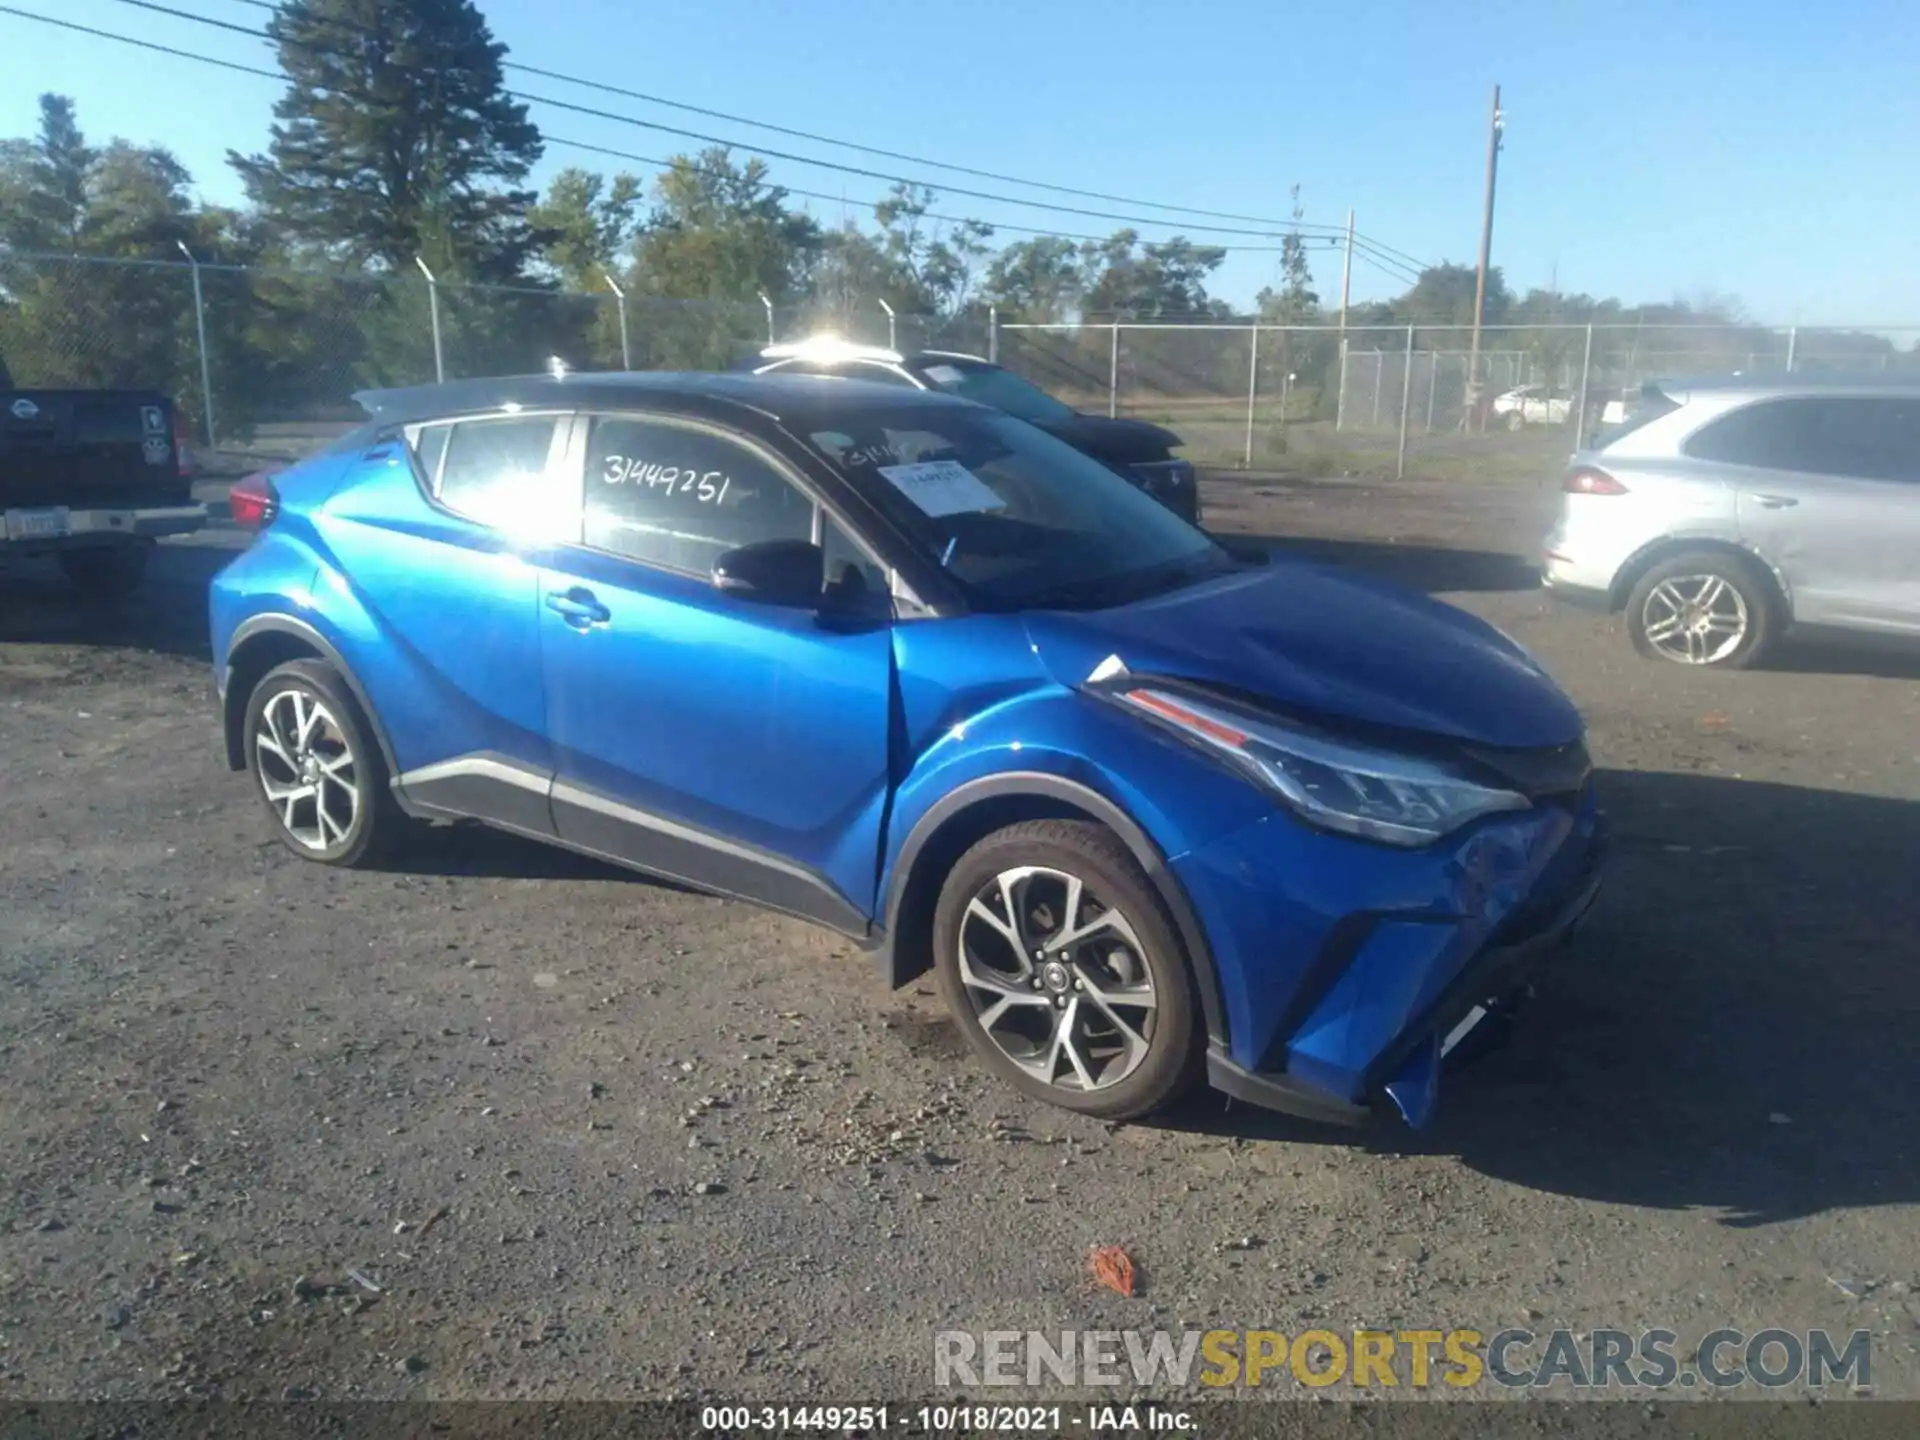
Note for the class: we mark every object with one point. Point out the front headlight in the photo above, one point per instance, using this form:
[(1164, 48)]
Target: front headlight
[(1356, 790)]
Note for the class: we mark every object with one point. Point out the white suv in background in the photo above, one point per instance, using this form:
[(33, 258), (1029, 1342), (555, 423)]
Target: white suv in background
[(1723, 512)]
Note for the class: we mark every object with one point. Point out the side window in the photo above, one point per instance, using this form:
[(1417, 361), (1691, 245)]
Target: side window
[(1862, 436), (495, 471), (849, 571), (1874, 438), (674, 496), (1768, 435)]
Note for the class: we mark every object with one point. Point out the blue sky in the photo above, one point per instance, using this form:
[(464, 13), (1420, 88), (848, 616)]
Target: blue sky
[(1758, 148)]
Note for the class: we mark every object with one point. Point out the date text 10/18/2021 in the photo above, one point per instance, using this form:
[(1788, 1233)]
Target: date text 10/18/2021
[(1091, 1420)]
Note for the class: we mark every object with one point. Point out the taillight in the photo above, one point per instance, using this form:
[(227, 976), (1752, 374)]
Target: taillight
[(253, 502), (182, 444), (1591, 480)]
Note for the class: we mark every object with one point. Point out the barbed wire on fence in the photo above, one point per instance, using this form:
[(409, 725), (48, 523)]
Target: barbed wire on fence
[(253, 346)]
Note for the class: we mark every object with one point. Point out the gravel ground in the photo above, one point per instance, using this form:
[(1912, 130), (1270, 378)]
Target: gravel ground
[(509, 1124)]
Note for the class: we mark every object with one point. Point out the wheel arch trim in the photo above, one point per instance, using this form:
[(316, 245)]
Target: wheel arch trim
[(233, 707), (1636, 565), (898, 968)]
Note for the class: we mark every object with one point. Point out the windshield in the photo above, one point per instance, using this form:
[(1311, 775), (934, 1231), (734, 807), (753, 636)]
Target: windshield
[(1019, 518), (1002, 389)]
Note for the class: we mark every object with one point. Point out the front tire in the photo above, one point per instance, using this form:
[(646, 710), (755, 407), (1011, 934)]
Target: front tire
[(105, 573), (1061, 967), (1705, 608), (316, 768)]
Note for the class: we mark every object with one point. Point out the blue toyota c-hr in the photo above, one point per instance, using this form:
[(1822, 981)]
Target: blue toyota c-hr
[(901, 665)]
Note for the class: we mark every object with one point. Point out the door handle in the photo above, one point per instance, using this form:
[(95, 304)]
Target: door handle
[(579, 607), (1776, 502)]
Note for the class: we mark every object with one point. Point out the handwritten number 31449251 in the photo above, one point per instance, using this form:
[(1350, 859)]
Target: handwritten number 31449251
[(708, 487)]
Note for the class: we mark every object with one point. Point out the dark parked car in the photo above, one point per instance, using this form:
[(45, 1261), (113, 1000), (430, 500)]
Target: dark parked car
[(1139, 451), (92, 478), (919, 672)]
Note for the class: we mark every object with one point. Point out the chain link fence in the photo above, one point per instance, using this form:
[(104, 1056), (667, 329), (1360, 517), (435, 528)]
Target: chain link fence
[(255, 352), (1320, 399)]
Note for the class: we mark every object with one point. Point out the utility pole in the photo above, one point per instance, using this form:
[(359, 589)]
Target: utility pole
[(1346, 277), (1346, 282), (1496, 125)]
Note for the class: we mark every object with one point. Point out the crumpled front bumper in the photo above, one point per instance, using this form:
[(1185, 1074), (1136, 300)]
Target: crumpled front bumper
[(1344, 968)]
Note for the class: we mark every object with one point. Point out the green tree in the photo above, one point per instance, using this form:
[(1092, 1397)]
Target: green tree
[(722, 231), (718, 232), (587, 224), (934, 266), (850, 274), (1295, 302), (1164, 280), (43, 182), (78, 322), (1443, 295), (1039, 281), (396, 137)]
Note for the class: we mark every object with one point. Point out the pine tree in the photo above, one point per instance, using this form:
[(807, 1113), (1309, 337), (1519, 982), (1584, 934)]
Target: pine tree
[(396, 137)]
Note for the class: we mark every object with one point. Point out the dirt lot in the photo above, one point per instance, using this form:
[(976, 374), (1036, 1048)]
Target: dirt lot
[(594, 1137)]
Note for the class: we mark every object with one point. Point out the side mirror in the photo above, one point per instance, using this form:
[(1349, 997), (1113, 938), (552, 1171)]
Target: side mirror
[(774, 572)]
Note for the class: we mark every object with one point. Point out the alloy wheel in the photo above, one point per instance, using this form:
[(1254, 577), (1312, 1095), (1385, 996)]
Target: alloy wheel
[(1695, 619), (1058, 979), (307, 769)]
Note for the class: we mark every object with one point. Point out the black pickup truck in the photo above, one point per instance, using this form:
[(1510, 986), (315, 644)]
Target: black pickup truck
[(92, 478)]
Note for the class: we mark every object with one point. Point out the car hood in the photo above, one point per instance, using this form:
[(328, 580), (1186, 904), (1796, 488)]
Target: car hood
[(1124, 441), (1316, 639)]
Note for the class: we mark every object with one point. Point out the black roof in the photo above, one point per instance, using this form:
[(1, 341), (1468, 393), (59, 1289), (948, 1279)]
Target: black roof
[(777, 396)]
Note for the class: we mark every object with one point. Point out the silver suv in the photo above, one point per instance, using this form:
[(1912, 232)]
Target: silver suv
[(1722, 512)]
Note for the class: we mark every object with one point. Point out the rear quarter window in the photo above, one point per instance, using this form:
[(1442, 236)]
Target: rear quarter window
[(1643, 407), (495, 471)]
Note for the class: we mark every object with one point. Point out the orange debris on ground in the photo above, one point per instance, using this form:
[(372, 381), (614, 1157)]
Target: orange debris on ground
[(1112, 1267)]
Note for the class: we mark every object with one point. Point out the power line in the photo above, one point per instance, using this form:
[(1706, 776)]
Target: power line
[(143, 44), (1324, 242), (861, 171), (596, 113), (277, 76), (1379, 265), (271, 7), (1386, 262)]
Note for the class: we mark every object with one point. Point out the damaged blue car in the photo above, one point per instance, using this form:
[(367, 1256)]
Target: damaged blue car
[(1153, 810)]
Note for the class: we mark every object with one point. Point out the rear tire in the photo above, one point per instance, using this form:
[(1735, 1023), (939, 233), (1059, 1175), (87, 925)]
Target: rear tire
[(1048, 929), (104, 573), (1706, 608), (316, 768)]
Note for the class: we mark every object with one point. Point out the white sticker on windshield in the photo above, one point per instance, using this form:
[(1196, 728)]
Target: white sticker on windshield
[(942, 487), (944, 375)]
